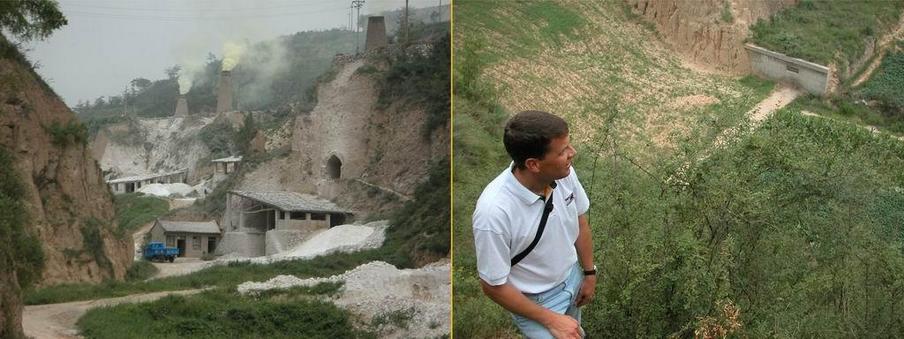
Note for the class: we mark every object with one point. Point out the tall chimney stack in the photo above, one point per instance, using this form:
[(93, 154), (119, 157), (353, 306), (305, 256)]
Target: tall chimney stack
[(376, 33), (181, 107), (224, 92)]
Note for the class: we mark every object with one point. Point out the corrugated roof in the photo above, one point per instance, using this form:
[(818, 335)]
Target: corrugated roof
[(207, 227), (143, 177), (228, 159), (293, 202)]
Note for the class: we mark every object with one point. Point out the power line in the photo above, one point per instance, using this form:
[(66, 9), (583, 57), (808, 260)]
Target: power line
[(216, 8), (79, 13)]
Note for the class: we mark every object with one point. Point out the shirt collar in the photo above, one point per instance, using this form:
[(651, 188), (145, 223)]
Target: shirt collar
[(527, 196)]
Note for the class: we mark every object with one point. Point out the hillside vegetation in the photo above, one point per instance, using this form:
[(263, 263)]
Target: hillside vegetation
[(849, 35), (826, 31), (786, 232)]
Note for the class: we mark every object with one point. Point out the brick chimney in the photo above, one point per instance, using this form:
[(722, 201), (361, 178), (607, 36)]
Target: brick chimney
[(224, 92), (181, 106), (376, 33)]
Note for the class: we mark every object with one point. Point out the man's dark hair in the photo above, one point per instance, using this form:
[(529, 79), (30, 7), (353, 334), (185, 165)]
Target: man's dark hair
[(528, 134)]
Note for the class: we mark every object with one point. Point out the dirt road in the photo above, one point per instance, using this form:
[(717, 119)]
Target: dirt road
[(58, 320)]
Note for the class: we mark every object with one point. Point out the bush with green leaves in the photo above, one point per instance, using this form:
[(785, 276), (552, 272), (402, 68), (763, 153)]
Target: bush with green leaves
[(887, 85), (423, 79), (221, 314), (70, 133)]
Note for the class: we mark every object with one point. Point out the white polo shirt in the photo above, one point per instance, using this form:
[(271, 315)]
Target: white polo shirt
[(505, 222)]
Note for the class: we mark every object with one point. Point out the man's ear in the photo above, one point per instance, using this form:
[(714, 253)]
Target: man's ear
[(532, 165)]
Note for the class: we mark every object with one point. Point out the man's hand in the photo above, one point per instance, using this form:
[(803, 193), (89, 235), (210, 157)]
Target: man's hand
[(563, 327), (585, 295)]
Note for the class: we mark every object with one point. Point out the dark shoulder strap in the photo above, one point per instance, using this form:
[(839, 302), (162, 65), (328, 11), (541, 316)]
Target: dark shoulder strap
[(546, 210)]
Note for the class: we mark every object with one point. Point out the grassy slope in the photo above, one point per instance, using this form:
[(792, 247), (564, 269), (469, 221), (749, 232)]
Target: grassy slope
[(824, 31), (671, 256), (220, 313), (133, 210)]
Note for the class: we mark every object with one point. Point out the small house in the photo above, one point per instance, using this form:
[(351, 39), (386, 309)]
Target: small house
[(193, 239), (259, 223), (227, 165)]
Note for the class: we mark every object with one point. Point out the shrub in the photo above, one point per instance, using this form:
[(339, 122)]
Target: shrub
[(71, 133), (23, 253), (141, 270), (220, 314)]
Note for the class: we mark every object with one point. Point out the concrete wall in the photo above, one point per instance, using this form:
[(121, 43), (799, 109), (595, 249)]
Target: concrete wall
[(157, 233), (285, 222), (196, 244), (246, 244), (811, 77), (235, 220)]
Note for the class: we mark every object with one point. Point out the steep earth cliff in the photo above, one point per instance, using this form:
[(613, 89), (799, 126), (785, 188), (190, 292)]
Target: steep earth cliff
[(378, 154), (65, 203), (708, 34)]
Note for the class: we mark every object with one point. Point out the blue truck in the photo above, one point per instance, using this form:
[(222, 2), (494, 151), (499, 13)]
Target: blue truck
[(157, 251)]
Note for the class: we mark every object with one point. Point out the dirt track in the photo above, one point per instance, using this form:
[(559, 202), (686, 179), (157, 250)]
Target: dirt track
[(58, 320)]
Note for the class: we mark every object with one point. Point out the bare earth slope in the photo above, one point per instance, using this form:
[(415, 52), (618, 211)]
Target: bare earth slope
[(68, 204)]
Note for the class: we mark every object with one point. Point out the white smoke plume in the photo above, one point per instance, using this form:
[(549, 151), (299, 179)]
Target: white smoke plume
[(185, 82), (232, 53)]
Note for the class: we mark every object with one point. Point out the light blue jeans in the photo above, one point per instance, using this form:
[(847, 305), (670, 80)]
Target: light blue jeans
[(559, 299)]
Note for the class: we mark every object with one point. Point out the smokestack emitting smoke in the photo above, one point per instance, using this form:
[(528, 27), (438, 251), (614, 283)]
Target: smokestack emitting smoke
[(181, 106), (184, 83), (232, 52), (224, 91)]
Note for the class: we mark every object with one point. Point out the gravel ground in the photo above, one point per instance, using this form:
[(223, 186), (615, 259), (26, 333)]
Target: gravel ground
[(377, 289)]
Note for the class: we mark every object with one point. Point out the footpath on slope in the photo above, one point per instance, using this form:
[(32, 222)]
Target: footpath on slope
[(885, 43), (780, 97), (58, 320)]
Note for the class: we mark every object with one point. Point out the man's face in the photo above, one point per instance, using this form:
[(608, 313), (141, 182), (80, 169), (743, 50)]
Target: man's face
[(556, 163)]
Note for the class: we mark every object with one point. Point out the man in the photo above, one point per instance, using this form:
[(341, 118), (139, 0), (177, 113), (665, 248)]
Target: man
[(545, 284)]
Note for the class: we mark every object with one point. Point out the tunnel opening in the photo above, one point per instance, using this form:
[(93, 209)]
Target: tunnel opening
[(334, 167)]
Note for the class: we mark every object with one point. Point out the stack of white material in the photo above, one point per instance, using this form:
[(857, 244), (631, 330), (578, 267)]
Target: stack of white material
[(167, 190)]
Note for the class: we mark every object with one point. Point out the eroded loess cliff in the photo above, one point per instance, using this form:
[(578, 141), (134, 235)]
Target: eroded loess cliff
[(58, 188), (349, 149), (708, 34)]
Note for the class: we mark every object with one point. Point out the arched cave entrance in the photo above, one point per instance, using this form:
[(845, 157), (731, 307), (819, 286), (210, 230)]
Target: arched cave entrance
[(334, 167)]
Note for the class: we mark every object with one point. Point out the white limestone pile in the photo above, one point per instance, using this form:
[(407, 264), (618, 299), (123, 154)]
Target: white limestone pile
[(377, 288), (342, 238), (167, 190)]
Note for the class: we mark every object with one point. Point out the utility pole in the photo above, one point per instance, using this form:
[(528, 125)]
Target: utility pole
[(125, 101), (357, 4), (407, 27)]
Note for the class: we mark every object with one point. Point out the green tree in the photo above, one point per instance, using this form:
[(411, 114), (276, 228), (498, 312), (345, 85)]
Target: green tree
[(30, 19)]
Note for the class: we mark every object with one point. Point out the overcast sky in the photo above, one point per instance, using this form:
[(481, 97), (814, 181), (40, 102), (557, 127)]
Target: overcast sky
[(107, 43)]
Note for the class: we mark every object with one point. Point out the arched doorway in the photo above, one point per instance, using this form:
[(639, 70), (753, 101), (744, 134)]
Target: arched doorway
[(334, 167)]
